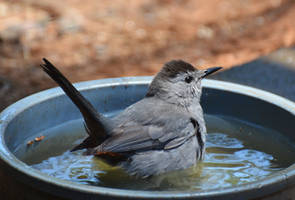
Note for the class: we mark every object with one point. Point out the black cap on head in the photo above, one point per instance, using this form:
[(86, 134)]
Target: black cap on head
[(174, 67)]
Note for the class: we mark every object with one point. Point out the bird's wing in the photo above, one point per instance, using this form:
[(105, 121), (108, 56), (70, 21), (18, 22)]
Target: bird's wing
[(165, 133)]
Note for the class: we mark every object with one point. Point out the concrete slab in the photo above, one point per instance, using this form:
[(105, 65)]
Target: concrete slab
[(274, 73)]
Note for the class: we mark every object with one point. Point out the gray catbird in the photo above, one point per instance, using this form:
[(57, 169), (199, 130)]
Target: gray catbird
[(165, 131)]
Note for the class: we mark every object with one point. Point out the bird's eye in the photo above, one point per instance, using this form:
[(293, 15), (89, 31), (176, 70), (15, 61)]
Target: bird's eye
[(189, 79)]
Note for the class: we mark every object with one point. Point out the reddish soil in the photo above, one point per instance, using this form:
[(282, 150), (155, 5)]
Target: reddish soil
[(94, 39)]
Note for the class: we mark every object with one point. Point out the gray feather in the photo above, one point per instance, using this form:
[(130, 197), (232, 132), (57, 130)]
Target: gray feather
[(167, 125)]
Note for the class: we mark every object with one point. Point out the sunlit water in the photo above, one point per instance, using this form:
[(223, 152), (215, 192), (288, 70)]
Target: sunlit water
[(236, 153)]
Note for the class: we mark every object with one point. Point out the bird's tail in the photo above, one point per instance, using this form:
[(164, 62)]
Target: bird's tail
[(94, 121)]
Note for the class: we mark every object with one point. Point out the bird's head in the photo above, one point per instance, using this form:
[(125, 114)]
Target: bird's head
[(179, 82)]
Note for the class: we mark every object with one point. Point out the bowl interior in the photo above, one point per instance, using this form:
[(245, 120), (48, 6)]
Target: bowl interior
[(33, 116)]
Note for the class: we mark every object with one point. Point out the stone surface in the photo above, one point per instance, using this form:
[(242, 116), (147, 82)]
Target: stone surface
[(274, 73)]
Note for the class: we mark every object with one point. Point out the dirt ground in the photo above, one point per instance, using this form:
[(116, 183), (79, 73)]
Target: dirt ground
[(94, 39)]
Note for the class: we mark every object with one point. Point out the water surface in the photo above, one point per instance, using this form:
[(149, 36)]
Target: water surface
[(236, 153)]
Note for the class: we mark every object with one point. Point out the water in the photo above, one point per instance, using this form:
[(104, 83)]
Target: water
[(236, 153)]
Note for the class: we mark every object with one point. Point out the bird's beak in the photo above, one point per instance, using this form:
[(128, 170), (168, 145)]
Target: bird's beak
[(210, 71)]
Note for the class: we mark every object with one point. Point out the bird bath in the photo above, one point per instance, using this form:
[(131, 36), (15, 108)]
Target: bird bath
[(267, 119)]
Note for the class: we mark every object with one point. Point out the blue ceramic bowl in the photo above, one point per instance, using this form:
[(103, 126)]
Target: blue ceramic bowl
[(36, 113)]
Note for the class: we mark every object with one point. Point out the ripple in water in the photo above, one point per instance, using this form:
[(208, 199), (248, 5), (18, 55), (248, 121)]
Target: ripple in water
[(236, 153)]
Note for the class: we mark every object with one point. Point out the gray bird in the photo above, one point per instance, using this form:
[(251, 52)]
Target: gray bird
[(165, 131)]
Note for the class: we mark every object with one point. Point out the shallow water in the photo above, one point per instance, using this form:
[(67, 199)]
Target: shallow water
[(236, 153)]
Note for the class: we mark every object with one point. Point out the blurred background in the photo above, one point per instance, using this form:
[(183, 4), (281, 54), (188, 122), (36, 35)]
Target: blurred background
[(93, 39)]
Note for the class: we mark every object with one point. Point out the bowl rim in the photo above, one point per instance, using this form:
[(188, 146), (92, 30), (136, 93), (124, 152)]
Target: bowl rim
[(267, 185)]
